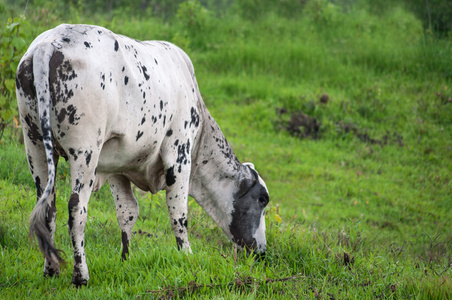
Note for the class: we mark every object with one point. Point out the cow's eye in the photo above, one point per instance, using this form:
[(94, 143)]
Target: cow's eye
[(263, 200)]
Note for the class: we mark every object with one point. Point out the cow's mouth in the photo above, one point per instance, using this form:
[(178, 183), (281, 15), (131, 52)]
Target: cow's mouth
[(251, 248)]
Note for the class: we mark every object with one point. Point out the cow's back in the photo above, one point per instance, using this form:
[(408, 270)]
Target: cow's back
[(120, 95)]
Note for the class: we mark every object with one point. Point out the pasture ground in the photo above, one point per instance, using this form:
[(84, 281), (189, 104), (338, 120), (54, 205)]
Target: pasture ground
[(346, 114)]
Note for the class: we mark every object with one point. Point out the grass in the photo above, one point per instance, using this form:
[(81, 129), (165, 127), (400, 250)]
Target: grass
[(363, 211)]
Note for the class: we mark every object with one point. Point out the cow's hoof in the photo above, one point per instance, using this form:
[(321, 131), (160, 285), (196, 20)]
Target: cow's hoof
[(79, 283), (51, 273)]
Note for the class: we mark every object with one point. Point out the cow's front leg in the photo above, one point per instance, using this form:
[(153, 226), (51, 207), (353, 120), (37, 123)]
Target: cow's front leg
[(78, 212), (176, 200)]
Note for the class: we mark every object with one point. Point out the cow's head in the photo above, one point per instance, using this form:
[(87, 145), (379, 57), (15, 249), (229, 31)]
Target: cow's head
[(247, 227)]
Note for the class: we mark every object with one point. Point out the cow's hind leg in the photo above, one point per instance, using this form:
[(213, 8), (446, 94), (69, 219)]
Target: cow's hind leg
[(126, 209), (82, 175), (37, 163), (52, 267)]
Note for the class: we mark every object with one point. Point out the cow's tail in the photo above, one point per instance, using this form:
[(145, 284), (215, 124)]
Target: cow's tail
[(40, 214)]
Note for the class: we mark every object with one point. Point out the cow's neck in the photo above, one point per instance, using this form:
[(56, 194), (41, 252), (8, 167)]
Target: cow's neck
[(215, 172)]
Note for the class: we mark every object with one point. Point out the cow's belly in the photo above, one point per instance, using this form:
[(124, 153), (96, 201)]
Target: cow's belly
[(140, 163)]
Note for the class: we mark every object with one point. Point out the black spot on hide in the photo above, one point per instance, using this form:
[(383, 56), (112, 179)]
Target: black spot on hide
[(170, 177), (144, 72), (181, 156), (183, 222), (139, 134), (72, 110), (60, 72), (38, 186), (72, 152), (25, 79), (72, 205), (88, 157), (78, 259), (33, 130), (116, 46), (30, 163), (194, 117), (78, 185), (180, 243), (62, 115)]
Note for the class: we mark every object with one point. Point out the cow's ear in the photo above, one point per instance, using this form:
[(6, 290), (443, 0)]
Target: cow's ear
[(247, 180), (249, 165), (245, 185)]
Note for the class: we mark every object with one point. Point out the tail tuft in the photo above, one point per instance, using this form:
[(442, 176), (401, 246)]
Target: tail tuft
[(38, 228)]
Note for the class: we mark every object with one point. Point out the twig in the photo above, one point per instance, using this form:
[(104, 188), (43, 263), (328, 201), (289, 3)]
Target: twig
[(192, 286), (26, 6)]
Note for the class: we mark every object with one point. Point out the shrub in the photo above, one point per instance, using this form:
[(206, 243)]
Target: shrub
[(12, 45), (194, 24)]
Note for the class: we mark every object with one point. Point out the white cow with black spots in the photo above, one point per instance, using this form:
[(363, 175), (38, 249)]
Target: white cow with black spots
[(127, 111)]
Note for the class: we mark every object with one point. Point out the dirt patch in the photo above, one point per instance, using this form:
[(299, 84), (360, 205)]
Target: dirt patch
[(300, 124), (445, 99), (304, 126), (388, 138)]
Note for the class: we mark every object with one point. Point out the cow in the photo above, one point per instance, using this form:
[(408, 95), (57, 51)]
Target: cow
[(127, 111)]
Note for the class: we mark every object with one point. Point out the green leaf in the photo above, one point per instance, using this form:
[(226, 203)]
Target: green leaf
[(10, 84), (9, 53), (12, 26), (7, 114), (13, 66), (19, 43)]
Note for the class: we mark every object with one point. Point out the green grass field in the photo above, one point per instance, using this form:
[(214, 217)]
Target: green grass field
[(360, 204)]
